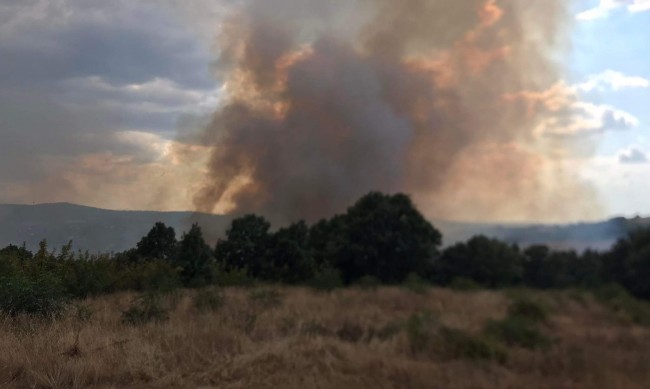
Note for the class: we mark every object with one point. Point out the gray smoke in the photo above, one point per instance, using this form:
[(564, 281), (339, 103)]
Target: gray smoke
[(325, 102)]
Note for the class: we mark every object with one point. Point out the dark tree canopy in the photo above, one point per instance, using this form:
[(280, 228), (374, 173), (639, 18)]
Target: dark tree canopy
[(159, 243), (487, 261), (546, 269), (245, 245), (289, 254), (194, 257), (19, 252), (381, 235), (628, 263)]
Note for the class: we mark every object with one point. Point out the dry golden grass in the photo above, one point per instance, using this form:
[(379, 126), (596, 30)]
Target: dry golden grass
[(252, 344)]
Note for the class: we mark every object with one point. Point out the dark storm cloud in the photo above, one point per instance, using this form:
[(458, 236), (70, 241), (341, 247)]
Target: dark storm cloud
[(73, 73)]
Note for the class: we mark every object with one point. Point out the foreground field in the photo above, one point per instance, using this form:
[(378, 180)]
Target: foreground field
[(297, 338)]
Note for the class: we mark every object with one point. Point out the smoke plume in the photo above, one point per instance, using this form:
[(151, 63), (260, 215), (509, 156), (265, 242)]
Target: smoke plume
[(326, 100)]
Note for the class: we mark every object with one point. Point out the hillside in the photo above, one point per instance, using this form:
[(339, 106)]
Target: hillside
[(100, 230), (93, 229)]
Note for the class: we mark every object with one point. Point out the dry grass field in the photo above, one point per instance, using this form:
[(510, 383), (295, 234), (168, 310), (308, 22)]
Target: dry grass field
[(298, 338)]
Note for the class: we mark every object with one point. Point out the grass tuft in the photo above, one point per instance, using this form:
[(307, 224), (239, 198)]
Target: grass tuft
[(208, 300), (266, 298), (459, 344), (145, 309)]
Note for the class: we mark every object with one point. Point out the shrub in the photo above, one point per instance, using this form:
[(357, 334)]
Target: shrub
[(208, 300), (158, 275), (266, 298), (464, 284), (250, 319), (288, 325), (233, 277), (350, 332), (455, 343), (419, 329), (620, 301), (528, 309), (415, 284), (314, 328), (83, 313), (43, 296), (146, 309), (326, 280), (517, 331), (388, 331), (368, 282)]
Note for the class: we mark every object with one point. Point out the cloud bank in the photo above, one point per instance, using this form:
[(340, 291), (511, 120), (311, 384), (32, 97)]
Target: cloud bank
[(605, 7)]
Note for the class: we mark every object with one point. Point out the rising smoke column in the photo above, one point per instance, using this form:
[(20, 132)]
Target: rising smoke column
[(325, 102)]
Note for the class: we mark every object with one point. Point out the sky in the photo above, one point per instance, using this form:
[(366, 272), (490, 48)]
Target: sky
[(101, 103)]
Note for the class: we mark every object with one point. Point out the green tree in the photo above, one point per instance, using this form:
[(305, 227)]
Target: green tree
[(18, 252), (486, 261), (628, 263), (245, 246), (289, 256), (381, 235), (159, 243), (195, 258)]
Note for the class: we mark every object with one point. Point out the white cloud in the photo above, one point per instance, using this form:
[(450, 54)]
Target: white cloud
[(582, 118), (639, 6), (156, 95), (612, 80), (633, 155), (605, 7), (563, 113)]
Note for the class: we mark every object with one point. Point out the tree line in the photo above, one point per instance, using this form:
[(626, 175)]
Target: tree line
[(381, 239)]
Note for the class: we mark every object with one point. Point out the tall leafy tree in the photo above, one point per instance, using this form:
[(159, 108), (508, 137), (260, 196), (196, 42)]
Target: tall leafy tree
[(245, 245), (487, 261), (288, 254), (628, 263), (159, 243), (383, 236), (195, 258)]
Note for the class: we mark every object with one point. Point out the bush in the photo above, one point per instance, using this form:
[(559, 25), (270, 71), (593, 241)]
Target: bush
[(83, 314), (326, 280), (233, 277), (419, 329), (517, 331), (314, 328), (208, 300), (43, 296), (388, 331), (350, 332), (528, 309), (620, 301), (385, 332), (415, 284), (458, 344), (368, 282), (464, 284), (250, 320), (146, 309), (266, 298)]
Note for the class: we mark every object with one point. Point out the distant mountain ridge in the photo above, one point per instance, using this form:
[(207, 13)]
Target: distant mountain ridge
[(93, 229), (101, 230)]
